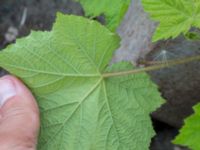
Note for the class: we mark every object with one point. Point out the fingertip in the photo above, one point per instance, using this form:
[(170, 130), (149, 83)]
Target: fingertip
[(11, 86), (7, 90), (19, 85)]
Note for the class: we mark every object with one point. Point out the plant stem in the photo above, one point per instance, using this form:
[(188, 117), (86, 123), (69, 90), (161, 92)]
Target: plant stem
[(153, 67)]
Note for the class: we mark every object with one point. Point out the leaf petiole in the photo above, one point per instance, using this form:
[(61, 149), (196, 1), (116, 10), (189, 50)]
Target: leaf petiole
[(158, 66)]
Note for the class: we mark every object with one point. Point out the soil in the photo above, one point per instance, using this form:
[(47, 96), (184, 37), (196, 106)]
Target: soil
[(180, 85), (40, 16)]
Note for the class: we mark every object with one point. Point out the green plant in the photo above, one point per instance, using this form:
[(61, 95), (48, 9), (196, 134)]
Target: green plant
[(176, 17), (190, 133), (83, 106), (85, 103), (113, 15)]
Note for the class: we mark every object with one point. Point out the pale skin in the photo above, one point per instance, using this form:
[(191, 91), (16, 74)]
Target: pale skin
[(19, 116)]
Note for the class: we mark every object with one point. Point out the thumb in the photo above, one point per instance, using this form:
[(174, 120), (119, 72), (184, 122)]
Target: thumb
[(19, 116)]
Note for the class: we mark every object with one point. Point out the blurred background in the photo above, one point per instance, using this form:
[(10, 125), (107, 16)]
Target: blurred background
[(179, 85)]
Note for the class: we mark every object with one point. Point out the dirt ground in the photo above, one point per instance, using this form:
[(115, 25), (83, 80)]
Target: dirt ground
[(17, 18)]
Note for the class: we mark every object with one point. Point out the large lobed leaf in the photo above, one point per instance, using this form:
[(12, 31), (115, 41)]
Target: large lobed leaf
[(174, 16), (190, 133), (80, 109), (113, 10)]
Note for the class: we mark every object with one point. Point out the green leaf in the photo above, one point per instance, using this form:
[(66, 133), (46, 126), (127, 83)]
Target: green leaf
[(193, 36), (190, 133), (174, 16), (113, 10), (80, 109)]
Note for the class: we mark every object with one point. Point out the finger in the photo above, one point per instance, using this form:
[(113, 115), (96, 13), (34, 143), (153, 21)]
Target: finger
[(19, 122)]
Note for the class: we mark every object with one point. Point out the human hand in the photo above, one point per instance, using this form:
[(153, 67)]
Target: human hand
[(19, 116)]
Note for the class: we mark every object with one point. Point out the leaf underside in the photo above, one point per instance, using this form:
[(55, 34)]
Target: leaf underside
[(174, 16), (113, 10), (190, 133), (81, 110)]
